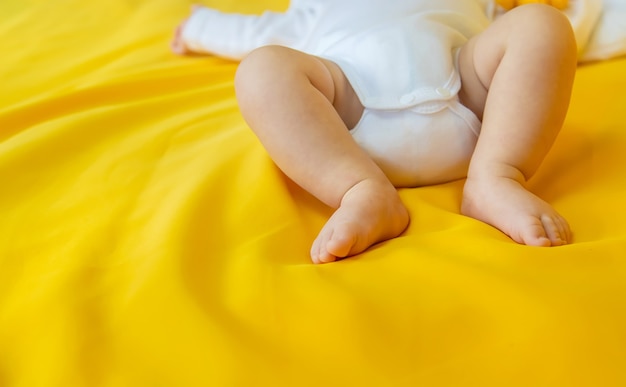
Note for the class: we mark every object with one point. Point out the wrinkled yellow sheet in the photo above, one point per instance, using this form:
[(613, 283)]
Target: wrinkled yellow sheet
[(146, 239)]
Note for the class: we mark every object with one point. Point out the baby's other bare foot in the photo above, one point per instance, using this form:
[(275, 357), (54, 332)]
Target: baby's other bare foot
[(370, 212), (505, 204)]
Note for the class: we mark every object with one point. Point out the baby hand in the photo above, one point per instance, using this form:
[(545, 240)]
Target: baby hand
[(178, 45), (509, 4)]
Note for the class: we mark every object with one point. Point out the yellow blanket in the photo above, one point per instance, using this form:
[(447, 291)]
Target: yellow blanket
[(146, 239)]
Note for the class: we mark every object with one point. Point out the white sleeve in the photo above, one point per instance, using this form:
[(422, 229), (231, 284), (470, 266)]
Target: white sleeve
[(233, 35), (608, 39)]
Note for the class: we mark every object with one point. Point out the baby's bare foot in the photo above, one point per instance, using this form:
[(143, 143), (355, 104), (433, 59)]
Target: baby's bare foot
[(370, 212), (505, 204)]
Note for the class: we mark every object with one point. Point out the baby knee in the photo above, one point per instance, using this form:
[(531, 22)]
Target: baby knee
[(541, 17), (547, 25), (266, 71), (257, 67)]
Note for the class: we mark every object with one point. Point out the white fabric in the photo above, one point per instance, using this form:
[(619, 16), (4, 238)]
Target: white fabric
[(396, 53), (608, 38), (414, 148), (398, 57)]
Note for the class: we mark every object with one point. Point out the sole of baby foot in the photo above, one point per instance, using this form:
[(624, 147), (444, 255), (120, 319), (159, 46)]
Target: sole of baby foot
[(370, 212), (506, 205)]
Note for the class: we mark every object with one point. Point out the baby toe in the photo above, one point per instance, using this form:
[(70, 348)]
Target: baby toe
[(533, 234), (554, 230)]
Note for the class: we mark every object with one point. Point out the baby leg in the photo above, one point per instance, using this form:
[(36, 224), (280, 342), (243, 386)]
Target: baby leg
[(517, 75), (300, 107)]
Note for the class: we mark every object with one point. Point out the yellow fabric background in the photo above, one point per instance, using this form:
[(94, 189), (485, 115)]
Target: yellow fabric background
[(146, 239)]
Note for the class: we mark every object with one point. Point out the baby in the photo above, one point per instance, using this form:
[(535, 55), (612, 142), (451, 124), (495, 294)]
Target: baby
[(352, 99)]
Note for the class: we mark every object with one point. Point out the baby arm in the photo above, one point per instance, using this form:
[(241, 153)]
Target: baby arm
[(233, 36)]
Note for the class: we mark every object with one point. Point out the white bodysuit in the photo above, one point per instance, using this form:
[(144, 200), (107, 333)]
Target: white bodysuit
[(400, 58)]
